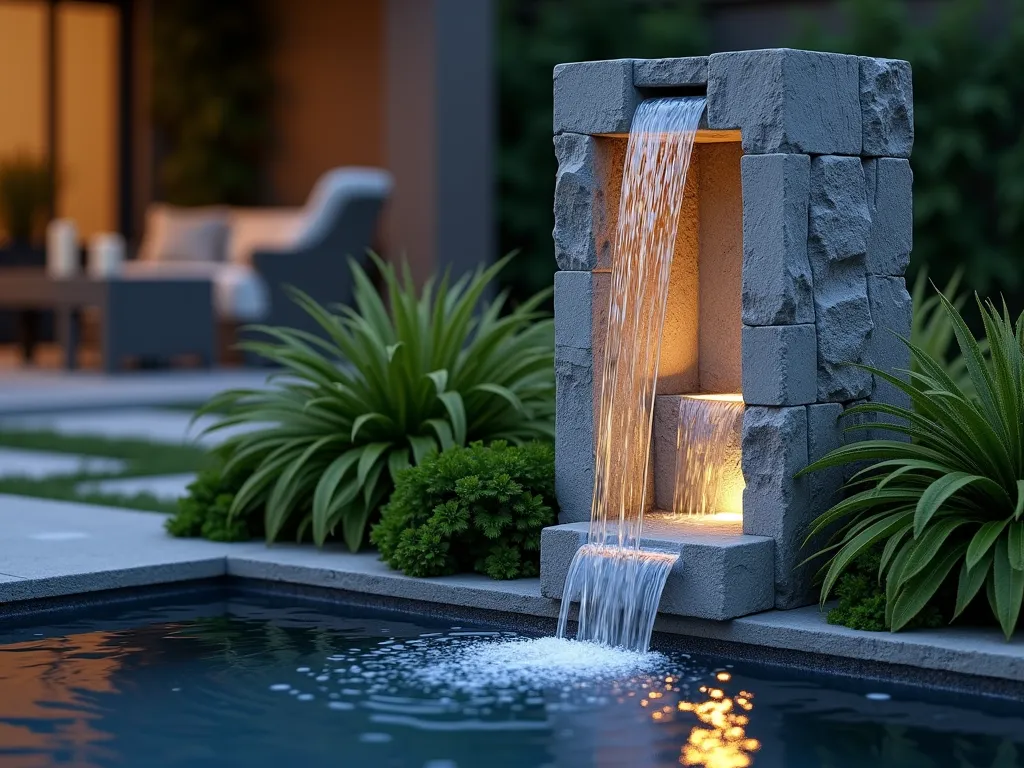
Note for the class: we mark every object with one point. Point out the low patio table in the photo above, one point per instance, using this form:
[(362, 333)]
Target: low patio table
[(139, 317)]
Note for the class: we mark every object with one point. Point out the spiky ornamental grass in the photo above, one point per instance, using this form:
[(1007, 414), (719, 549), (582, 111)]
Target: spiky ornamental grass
[(392, 383), (953, 495)]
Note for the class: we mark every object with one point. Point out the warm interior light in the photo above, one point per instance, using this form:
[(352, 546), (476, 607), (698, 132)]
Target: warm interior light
[(721, 398)]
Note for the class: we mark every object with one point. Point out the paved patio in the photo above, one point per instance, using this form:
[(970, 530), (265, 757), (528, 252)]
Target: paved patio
[(36, 391), (15, 462), (152, 424), (58, 549)]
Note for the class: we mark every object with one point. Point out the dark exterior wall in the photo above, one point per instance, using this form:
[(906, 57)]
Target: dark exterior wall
[(440, 126)]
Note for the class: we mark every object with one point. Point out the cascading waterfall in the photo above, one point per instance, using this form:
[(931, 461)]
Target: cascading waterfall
[(617, 584)]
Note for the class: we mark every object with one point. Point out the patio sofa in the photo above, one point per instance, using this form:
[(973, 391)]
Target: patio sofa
[(251, 254)]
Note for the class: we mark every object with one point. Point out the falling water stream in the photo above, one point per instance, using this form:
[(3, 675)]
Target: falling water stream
[(618, 584)]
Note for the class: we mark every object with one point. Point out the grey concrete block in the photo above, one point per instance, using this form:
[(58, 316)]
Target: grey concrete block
[(890, 186), (671, 73), (887, 107), (844, 332), (776, 272), (720, 574), (574, 433), (780, 364), (574, 299), (787, 101), (775, 501), (594, 97), (839, 219), (575, 187), (891, 314)]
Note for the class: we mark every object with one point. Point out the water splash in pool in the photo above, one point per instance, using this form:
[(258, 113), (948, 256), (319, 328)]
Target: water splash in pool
[(619, 585)]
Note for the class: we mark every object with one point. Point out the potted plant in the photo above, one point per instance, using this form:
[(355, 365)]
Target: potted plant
[(26, 189), (26, 186)]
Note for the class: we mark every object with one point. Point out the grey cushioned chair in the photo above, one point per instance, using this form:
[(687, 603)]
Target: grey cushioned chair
[(343, 212)]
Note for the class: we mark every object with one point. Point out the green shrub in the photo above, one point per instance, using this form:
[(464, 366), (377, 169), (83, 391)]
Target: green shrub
[(391, 384), (206, 510), (471, 509), (951, 497), (862, 599)]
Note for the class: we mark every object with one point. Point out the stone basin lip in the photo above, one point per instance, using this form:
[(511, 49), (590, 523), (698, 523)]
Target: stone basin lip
[(116, 550)]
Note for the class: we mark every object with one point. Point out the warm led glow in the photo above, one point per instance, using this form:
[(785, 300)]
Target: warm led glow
[(730, 501), (717, 398)]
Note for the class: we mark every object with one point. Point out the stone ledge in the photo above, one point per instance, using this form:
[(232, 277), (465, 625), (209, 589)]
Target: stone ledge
[(962, 651), (720, 574)]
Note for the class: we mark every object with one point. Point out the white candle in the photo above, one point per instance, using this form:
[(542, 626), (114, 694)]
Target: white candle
[(106, 254), (61, 249)]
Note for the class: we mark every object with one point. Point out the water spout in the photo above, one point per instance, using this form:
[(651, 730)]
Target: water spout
[(617, 584)]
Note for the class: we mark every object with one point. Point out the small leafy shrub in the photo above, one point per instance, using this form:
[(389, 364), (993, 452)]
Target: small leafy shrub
[(471, 509), (952, 497), (206, 510), (389, 385), (862, 599)]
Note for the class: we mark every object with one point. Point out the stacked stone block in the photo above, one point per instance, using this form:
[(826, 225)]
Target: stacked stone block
[(827, 236)]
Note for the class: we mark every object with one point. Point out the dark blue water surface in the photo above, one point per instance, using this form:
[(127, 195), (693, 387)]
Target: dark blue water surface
[(256, 681)]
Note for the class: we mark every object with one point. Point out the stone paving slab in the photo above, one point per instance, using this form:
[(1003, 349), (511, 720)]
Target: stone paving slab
[(163, 487), (59, 548), (17, 462), (24, 391), (50, 548), (152, 424)]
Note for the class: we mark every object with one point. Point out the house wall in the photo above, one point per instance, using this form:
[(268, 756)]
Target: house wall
[(329, 104), (23, 76), (87, 106)]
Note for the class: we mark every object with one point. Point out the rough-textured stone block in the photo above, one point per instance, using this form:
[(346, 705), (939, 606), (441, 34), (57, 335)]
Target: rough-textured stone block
[(787, 101), (720, 574), (891, 314), (574, 300), (775, 502), (844, 331), (776, 272), (780, 364), (838, 231), (887, 107), (574, 433), (839, 219), (594, 97), (671, 73), (890, 187), (576, 184)]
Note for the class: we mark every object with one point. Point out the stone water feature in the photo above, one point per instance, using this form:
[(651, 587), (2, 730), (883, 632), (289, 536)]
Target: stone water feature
[(793, 239)]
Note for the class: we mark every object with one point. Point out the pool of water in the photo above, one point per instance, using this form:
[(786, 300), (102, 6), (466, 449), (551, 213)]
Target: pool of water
[(255, 680)]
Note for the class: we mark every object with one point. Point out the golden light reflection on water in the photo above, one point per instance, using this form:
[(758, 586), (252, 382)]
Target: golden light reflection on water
[(719, 740)]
